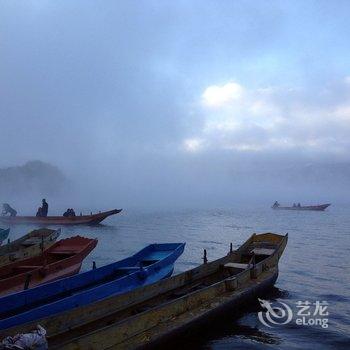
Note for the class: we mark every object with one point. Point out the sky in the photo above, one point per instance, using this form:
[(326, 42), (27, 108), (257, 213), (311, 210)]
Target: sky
[(146, 99)]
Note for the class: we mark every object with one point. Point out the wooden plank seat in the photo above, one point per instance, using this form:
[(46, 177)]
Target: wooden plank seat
[(237, 266), (263, 251), (263, 245), (31, 241)]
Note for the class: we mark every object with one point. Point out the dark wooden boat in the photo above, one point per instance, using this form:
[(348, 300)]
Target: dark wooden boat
[(151, 264), (92, 219), (169, 307), (319, 207), (4, 233), (29, 245), (64, 258)]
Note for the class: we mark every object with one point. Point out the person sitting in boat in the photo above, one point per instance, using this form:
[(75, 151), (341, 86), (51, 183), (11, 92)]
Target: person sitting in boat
[(69, 213), (44, 208), (276, 204), (8, 210), (39, 212), (298, 205)]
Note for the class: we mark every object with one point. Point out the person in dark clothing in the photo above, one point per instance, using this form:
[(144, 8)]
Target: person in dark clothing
[(69, 213), (44, 208), (275, 205), (8, 210)]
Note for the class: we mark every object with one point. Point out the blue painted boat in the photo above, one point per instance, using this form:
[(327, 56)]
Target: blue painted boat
[(149, 265), (4, 233)]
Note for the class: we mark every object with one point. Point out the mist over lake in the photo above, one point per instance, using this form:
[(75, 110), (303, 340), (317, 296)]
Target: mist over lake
[(194, 117)]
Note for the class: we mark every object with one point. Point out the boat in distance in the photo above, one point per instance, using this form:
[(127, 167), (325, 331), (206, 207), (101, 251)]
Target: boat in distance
[(29, 245), (152, 263), (64, 258), (319, 207), (165, 309), (4, 233), (92, 219)]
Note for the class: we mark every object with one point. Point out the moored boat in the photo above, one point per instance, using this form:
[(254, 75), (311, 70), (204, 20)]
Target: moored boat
[(4, 233), (29, 245), (64, 258), (92, 219), (149, 265), (152, 313), (319, 207)]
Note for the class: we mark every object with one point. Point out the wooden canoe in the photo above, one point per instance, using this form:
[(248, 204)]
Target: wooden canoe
[(4, 233), (151, 264), (320, 207), (64, 258), (31, 244), (152, 313), (92, 219)]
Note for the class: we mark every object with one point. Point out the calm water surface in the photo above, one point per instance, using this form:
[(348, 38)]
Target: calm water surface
[(315, 265)]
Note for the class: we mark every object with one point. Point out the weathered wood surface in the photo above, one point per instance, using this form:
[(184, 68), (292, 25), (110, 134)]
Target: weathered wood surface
[(126, 321), (161, 320), (167, 317), (25, 246), (62, 322)]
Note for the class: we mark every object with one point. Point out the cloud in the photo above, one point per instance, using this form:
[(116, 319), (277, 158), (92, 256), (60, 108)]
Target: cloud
[(193, 145), (217, 96), (343, 112), (236, 117)]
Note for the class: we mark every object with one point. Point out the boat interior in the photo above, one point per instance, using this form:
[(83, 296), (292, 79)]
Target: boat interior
[(107, 274), (30, 239), (56, 253), (236, 263)]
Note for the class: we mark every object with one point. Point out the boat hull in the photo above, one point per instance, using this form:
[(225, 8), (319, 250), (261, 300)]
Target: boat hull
[(232, 306), (69, 293), (93, 219), (163, 327), (62, 259), (136, 318), (172, 319), (321, 207)]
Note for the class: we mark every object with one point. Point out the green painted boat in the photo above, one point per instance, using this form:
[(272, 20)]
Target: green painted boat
[(29, 245)]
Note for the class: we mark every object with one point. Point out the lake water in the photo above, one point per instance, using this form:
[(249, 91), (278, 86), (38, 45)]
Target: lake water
[(315, 266)]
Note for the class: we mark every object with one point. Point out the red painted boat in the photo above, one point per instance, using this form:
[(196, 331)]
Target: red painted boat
[(62, 259), (92, 219)]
